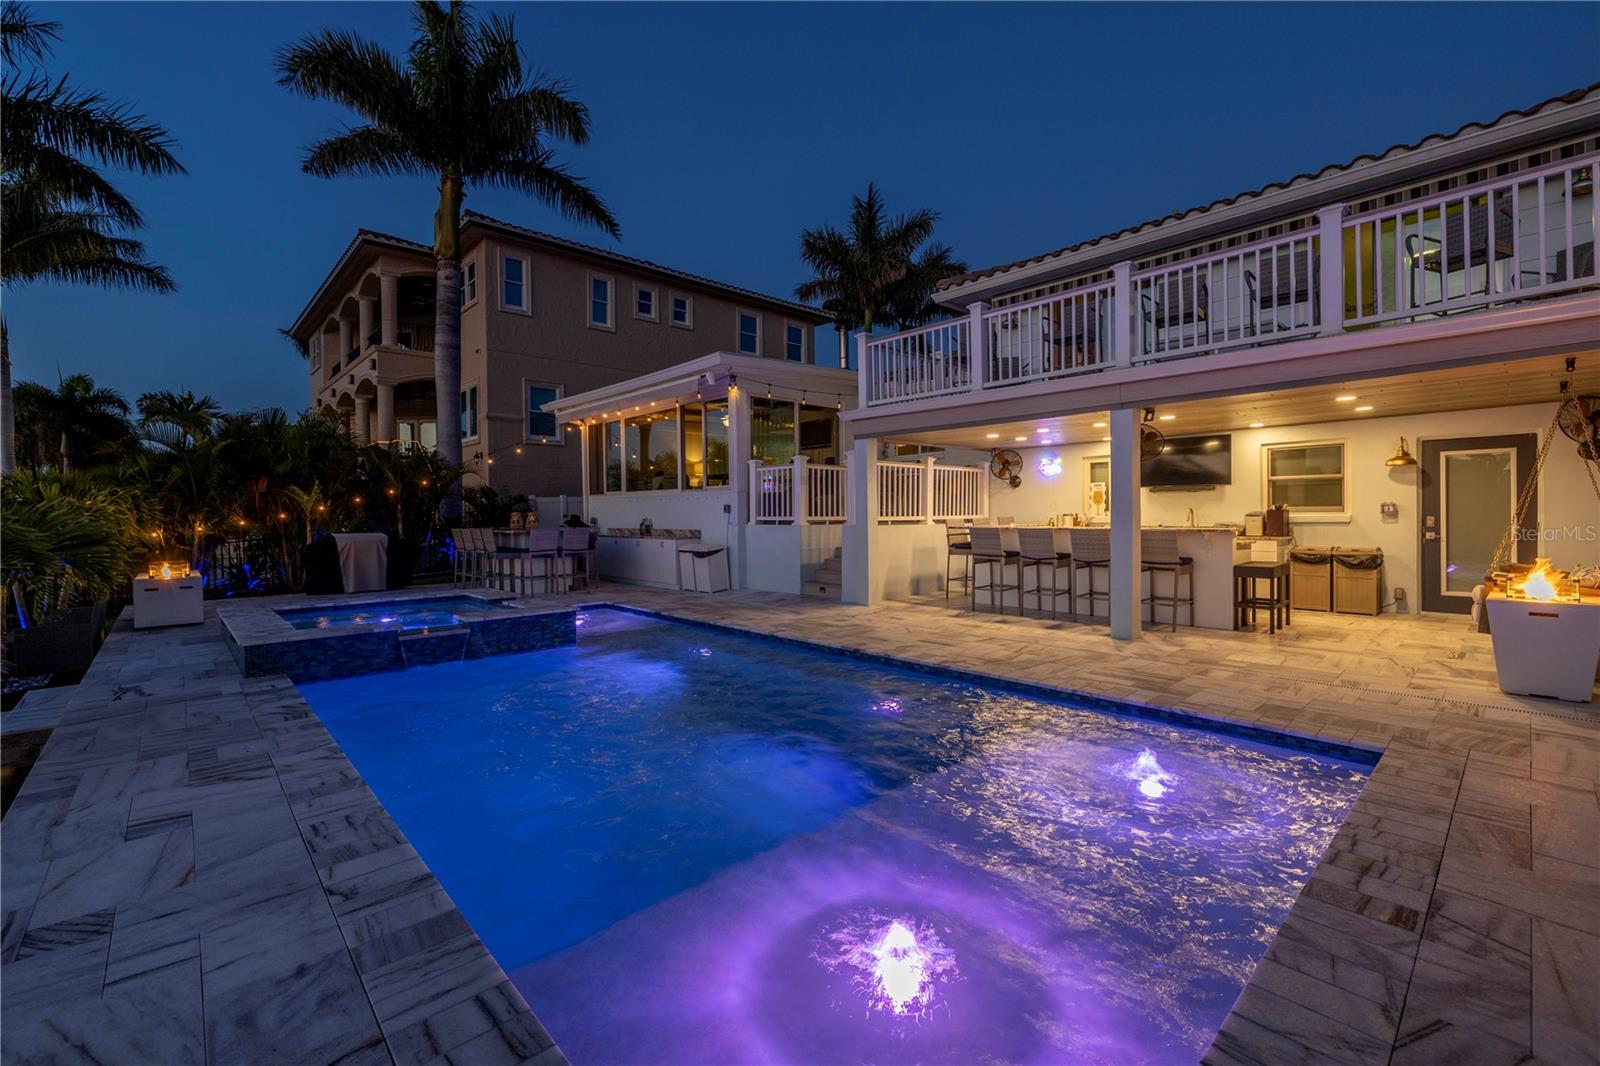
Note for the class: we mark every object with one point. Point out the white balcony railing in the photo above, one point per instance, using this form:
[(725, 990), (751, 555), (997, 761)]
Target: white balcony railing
[(1519, 237), (825, 498), (925, 491)]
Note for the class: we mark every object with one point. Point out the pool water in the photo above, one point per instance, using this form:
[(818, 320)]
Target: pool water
[(692, 847), (410, 614)]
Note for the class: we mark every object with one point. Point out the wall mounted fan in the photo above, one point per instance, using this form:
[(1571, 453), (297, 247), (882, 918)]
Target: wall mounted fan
[(1579, 419), (1006, 465)]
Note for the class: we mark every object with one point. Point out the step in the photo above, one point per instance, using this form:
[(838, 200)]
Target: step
[(820, 588)]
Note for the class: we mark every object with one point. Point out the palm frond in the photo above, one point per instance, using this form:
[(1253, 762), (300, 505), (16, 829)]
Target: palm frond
[(23, 35), (362, 75), (44, 114), (363, 150), (541, 177)]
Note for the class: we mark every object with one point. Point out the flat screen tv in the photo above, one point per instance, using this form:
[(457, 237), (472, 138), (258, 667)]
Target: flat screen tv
[(1189, 462)]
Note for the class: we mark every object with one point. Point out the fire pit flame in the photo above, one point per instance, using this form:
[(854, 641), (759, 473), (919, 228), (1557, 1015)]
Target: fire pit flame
[(1541, 584)]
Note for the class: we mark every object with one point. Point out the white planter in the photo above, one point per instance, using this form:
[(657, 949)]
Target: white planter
[(1545, 649)]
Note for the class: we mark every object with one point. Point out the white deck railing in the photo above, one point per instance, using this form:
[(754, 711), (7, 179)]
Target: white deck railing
[(1515, 237), (1065, 333), (925, 491), (773, 499), (1518, 237)]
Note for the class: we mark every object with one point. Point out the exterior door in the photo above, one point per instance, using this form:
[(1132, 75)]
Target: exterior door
[(1470, 487)]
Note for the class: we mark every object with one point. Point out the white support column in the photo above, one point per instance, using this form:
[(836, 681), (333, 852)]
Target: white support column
[(801, 506), (1122, 313), (752, 478), (362, 427), (387, 430), (927, 490), (1126, 578), (978, 344), (738, 452), (345, 326), (365, 305), (862, 370), (863, 560), (389, 309), (1330, 226), (850, 476)]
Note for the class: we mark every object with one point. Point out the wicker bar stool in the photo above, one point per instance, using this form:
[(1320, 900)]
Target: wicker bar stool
[(957, 546), (1159, 552), (988, 549), (1047, 550)]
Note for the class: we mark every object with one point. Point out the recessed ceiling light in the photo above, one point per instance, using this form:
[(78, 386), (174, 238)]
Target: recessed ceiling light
[(1105, 438), (1099, 425), (1044, 432), (1364, 407), (1021, 438), (991, 436), (1346, 398), (1257, 425), (1168, 418)]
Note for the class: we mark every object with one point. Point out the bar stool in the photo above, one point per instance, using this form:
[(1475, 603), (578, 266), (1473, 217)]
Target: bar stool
[(458, 558), (1091, 551), (957, 545), (520, 568), (1158, 549), (1041, 549), (989, 548), (576, 544), (1276, 602)]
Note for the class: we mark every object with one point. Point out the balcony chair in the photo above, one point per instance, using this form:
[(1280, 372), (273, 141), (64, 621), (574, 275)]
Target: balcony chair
[(1158, 550), (989, 548), (1042, 550)]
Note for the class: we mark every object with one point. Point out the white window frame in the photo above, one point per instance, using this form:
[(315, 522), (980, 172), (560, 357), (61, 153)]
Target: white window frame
[(805, 342), (610, 325), (688, 310), (477, 409), (469, 282), (526, 307), (1309, 514), (655, 302), (531, 438), (738, 330)]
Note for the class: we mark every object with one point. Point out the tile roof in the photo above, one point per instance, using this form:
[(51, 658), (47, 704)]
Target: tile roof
[(1572, 97), (473, 217)]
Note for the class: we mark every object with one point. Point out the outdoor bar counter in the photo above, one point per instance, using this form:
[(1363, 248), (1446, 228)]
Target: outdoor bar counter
[(1211, 548)]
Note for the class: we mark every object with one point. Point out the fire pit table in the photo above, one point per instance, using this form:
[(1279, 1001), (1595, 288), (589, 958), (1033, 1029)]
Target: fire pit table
[(1545, 647)]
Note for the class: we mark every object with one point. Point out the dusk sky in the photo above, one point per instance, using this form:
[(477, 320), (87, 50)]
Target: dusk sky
[(720, 131)]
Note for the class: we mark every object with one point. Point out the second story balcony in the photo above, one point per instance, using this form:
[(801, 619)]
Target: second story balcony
[(1385, 261)]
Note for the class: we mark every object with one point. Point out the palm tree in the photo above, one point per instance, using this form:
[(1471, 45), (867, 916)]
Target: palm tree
[(458, 108), (871, 273), (79, 411), (63, 220), (177, 420)]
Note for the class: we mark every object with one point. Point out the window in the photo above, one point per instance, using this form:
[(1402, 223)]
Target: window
[(469, 412), (749, 333), (772, 432), (1306, 477), (794, 343), (705, 444), (613, 456), (644, 303), (514, 283), (316, 352), (469, 281), (651, 443), (683, 311), (600, 301), (542, 424)]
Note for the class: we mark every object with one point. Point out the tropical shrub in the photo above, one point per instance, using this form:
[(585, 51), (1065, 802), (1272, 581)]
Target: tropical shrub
[(68, 541)]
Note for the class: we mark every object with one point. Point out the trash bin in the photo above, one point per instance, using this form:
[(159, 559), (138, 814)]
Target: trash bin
[(1357, 575), (702, 567), (1311, 579)]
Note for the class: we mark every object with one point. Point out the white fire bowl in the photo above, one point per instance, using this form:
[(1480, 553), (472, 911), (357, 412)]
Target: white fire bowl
[(1545, 649)]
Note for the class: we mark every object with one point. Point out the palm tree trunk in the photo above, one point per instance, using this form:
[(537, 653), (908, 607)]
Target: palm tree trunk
[(8, 429), (447, 333)]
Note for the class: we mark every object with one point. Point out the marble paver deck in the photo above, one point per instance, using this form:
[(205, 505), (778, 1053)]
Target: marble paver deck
[(194, 872)]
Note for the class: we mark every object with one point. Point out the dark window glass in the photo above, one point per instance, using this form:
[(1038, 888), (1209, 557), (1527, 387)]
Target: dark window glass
[(541, 423), (794, 344)]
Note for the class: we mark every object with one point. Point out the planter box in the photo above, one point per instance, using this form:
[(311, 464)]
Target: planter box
[(1545, 649)]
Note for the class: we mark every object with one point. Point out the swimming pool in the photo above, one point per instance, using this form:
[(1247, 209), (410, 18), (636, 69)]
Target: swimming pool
[(687, 846), (409, 614)]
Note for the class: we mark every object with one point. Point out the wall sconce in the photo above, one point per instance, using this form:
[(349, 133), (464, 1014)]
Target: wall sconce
[(1401, 456)]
